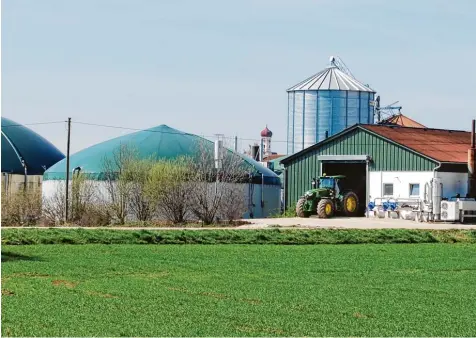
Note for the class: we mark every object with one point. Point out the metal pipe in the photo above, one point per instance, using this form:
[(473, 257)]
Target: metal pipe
[(472, 162), (284, 187), (426, 196), (25, 183), (435, 207), (435, 170), (262, 194)]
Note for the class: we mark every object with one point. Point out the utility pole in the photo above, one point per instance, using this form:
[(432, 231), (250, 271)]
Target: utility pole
[(67, 172)]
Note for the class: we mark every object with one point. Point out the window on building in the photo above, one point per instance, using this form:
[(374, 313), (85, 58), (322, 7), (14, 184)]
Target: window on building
[(388, 189), (414, 189)]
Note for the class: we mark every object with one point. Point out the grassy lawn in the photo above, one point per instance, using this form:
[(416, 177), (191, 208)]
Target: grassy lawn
[(240, 290)]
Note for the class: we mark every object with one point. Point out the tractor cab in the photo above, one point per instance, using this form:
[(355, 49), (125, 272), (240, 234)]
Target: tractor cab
[(335, 183)]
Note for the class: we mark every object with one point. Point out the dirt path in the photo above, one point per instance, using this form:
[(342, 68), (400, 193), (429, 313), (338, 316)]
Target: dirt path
[(304, 223)]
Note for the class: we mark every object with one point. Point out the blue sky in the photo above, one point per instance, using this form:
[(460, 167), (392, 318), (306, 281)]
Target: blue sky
[(210, 67)]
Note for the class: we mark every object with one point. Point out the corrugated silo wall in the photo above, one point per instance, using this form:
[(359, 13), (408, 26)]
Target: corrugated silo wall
[(313, 113), (385, 157)]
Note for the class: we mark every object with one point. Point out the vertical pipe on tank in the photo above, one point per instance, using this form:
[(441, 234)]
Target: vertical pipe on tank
[(262, 195), (25, 182), (472, 163)]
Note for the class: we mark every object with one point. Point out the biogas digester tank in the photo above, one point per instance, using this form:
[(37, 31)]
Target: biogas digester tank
[(325, 104)]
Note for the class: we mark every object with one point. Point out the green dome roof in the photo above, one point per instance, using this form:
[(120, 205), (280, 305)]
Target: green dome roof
[(160, 142)]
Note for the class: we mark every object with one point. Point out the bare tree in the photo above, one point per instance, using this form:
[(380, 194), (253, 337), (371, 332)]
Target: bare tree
[(83, 196), (233, 204), (85, 205), (117, 181), (136, 177), (87, 208), (54, 206), (212, 188), (168, 188), (21, 208)]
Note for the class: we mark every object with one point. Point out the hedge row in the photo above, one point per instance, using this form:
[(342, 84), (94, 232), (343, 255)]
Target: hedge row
[(265, 236)]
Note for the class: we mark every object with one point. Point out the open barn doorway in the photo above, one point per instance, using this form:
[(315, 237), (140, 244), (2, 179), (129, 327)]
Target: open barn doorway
[(356, 178)]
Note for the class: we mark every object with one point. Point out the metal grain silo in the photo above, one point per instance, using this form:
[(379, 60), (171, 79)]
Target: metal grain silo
[(325, 104)]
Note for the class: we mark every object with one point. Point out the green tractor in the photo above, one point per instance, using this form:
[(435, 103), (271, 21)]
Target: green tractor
[(327, 197)]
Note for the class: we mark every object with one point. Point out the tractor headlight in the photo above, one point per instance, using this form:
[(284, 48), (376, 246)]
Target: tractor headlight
[(308, 195)]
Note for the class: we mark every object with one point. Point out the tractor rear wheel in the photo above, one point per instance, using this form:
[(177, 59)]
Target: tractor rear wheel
[(300, 208), (350, 204), (325, 208)]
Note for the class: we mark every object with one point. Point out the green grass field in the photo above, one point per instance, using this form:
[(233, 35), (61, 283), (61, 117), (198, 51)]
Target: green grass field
[(239, 290)]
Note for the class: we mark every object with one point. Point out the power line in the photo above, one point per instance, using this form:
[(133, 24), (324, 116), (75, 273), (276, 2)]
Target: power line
[(244, 139), (31, 124)]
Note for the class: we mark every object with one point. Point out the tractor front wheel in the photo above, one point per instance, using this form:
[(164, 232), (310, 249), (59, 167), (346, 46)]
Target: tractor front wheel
[(350, 204), (300, 208), (325, 208)]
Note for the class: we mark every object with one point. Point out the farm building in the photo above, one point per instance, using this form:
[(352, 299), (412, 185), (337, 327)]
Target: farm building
[(383, 161), (25, 157), (262, 193)]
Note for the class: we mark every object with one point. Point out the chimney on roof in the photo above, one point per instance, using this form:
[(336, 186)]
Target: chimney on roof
[(472, 163)]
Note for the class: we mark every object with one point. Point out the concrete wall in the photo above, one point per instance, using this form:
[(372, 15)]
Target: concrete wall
[(14, 183), (453, 183)]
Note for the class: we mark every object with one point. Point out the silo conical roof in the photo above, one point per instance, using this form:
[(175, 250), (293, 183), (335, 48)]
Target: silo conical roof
[(161, 142), (331, 78), (21, 143)]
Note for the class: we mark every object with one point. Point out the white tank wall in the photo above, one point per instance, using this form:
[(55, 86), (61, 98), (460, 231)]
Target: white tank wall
[(271, 195), (453, 183)]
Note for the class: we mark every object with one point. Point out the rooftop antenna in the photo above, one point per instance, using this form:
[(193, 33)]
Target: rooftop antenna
[(336, 61), (388, 111)]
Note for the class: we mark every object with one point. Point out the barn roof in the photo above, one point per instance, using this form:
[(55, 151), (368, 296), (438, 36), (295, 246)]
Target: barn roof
[(440, 145)]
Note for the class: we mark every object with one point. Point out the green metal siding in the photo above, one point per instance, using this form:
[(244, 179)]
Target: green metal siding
[(385, 155)]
